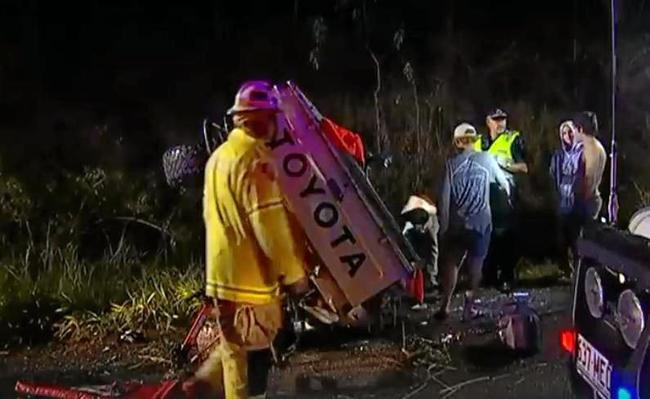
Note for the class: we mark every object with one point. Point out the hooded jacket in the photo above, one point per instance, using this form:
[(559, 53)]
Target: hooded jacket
[(567, 172)]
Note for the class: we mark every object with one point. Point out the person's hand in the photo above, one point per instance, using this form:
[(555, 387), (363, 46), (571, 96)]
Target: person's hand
[(505, 164), (513, 167)]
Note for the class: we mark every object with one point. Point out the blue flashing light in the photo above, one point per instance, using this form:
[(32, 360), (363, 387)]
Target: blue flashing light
[(623, 393)]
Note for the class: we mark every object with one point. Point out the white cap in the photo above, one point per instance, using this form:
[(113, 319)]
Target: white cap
[(416, 202), (464, 130)]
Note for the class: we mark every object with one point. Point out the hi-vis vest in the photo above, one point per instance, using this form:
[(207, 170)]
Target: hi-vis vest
[(501, 147)]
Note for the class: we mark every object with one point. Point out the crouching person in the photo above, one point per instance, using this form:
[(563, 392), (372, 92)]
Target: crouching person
[(254, 249), (465, 218), (421, 230)]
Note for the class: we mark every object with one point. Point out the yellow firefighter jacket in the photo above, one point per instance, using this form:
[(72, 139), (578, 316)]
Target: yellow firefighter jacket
[(253, 245)]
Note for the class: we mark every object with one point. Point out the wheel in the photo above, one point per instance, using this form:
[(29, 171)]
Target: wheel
[(182, 164)]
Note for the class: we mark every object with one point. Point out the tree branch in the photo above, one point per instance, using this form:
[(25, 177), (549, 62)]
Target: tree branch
[(378, 129)]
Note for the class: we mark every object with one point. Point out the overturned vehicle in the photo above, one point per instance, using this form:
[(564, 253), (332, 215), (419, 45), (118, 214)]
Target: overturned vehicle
[(358, 248), (361, 264)]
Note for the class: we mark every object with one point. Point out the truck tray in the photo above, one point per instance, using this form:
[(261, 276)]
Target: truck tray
[(350, 229)]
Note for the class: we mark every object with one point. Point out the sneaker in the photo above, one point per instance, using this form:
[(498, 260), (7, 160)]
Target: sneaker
[(420, 306)]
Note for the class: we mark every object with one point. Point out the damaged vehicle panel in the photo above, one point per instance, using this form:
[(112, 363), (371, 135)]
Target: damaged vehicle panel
[(360, 248)]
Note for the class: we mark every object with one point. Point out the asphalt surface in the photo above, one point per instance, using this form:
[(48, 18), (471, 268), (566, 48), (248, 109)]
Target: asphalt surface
[(478, 366)]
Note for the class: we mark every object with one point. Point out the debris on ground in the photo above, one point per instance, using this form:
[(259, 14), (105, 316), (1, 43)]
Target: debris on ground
[(132, 336)]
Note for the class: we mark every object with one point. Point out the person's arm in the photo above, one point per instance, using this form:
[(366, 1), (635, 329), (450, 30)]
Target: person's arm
[(581, 184), (519, 164), (603, 159), (276, 232), (499, 176), (433, 230), (444, 200)]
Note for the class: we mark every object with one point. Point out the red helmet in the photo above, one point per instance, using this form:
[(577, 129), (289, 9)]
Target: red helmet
[(254, 95)]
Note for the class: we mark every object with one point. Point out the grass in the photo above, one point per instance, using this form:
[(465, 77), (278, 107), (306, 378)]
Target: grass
[(158, 302), (531, 273), (69, 298)]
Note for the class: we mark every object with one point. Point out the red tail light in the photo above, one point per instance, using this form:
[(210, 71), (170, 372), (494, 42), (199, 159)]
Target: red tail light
[(568, 340)]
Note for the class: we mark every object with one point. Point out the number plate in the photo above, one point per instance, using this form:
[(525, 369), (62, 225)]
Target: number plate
[(593, 367)]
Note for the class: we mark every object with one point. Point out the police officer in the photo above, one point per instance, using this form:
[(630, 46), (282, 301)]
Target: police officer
[(507, 147)]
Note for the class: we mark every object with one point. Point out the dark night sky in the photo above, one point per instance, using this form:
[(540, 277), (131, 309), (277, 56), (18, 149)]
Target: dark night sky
[(97, 49), (170, 65)]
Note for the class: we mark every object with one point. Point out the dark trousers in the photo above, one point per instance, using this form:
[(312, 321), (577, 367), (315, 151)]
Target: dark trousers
[(504, 252), (502, 258), (259, 366), (569, 229)]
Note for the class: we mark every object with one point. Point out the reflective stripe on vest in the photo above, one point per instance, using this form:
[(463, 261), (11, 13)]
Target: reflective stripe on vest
[(502, 146)]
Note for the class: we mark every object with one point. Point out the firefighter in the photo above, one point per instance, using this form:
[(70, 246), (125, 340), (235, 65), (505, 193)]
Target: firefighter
[(465, 217), (254, 249), (507, 147)]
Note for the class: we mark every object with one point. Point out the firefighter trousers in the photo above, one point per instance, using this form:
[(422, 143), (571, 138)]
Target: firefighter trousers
[(243, 328)]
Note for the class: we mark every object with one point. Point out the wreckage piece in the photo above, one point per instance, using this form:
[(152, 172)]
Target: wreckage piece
[(129, 390), (358, 242)]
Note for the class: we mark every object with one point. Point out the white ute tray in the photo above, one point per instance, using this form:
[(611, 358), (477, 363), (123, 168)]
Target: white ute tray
[(347, 224)]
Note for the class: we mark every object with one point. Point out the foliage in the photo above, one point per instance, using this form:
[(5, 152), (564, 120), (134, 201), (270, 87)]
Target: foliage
[(74, 298), (158, 301), (90, 236)]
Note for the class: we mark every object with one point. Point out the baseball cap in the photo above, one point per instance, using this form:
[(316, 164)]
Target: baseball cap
[(464, 130), (497, 113)]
